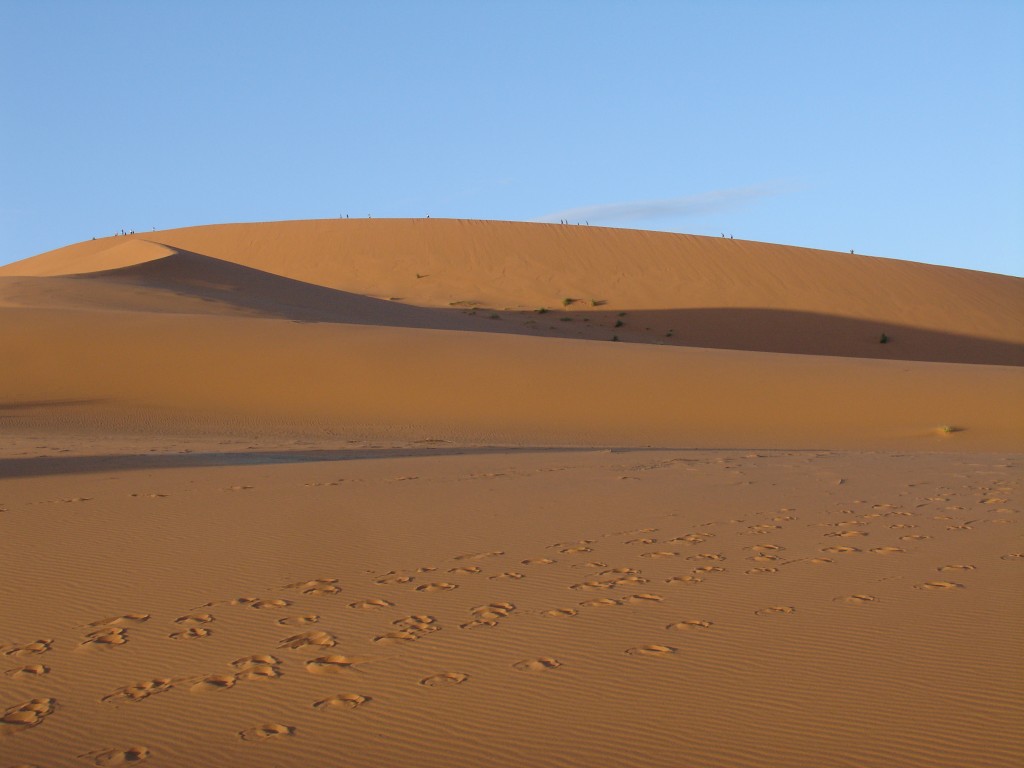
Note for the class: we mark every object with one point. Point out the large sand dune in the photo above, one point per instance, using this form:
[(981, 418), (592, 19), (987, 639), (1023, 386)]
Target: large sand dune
[(336, 493), (341, 325)]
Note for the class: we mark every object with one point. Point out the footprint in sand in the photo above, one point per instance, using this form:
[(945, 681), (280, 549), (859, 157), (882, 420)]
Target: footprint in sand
[(689, 580), (28, 649), (29, 672), (577, 549), (28, 714), (420, 622), (212, 683), (392, 638), (261, 605), (651, 650), (764, 558), (513, 575), (775, 610), (105, 638), (914, 537), (493, 611), (113, 757), (626, 581), (541, 664), (394, 577), (140, 691), (709, 569), (538, 561), (840, 550), (944, 568), (855, 599), (765, 548), (444, 678), (659, 555), (939, 585), (192, 633), (691, 624), (1012, 556), (266, 731), (599, 602), (260, 666), (316, 587), (642, 541), (437, 586), (643, 598), (716, 556), (465, 570), (887, 550), (370, 604), (341, 701), (194, 619), (299, 621), (760, 571), (332, 664), (588, 585), (314, 638), (558, 613), (820, 560)]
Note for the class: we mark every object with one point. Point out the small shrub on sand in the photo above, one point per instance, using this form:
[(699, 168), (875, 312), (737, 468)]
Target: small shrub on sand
[(619, 323), (883, 339), (542, 311)]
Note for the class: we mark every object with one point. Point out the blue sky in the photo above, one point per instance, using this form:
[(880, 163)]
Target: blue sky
[(892, 128)]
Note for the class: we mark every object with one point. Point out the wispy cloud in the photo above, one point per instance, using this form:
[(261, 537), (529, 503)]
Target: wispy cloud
[(692, 205)]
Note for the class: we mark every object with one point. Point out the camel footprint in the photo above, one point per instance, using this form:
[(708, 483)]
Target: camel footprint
[(443, 679), (266, 731), (28, 672), (541, 664), (140, 691), (855, 599), (341, 701), (775, 610), (113, 757), (28, 714), (34, 648), (939, 585)]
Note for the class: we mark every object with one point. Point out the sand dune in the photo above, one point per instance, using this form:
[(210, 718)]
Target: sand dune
[(675, 289), (322, 493)]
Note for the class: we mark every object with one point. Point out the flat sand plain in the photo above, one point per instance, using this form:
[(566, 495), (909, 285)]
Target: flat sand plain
[(338, 494)]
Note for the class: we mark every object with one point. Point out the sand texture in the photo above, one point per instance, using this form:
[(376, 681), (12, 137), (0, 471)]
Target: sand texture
[(336, 493)]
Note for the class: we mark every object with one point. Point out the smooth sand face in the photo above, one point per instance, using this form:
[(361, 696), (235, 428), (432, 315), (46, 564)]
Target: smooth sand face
[(321, 493)]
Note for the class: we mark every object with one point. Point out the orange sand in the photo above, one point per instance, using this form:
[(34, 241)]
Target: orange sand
[(291, 495)]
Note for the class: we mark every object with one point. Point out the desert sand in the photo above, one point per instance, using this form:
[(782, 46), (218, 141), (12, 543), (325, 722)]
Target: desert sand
[(462, 493)]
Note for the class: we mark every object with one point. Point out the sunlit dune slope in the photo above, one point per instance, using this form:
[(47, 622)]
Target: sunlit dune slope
[(675, 289), (165, 372)]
